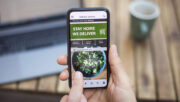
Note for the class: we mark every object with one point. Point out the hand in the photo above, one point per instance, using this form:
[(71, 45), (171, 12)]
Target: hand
[(119, 87)]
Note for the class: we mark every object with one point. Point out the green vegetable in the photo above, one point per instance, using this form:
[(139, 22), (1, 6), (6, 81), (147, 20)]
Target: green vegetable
[(88, 62)]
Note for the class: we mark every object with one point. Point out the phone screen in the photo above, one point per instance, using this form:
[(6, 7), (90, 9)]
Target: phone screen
[(88, 34)]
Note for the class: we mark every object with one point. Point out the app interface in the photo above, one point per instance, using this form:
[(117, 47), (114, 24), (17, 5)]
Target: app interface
[(88, 41)]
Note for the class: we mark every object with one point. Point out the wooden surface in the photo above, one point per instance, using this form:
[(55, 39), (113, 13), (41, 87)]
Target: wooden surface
[(172, 35), (153, 65), (144, 71), (164, 80), (124, 40)]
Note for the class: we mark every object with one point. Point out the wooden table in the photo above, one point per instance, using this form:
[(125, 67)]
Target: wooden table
[(153, 65)]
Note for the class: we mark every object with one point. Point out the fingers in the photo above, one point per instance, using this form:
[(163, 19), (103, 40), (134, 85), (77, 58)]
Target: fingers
[(114, 61), (64, 75), (76, 91), (62, 60), (64, 98), (83, 99), (118, 74)]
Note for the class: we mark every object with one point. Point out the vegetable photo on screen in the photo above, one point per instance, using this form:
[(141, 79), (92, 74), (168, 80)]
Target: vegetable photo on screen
[(90, 63)]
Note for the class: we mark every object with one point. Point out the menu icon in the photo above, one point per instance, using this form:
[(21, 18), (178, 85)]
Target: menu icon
[(91, 83)]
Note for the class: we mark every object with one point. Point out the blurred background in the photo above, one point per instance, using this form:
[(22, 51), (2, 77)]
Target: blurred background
[(33, 35)]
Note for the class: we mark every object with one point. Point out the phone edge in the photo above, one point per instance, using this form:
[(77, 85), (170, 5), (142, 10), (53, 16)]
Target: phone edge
[(68, 41)]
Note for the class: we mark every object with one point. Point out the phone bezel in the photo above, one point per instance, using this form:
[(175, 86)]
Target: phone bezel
[(69, 44)]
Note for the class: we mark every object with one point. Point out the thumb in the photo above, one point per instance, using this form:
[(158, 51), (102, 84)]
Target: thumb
[(117, 71), (76, 91)]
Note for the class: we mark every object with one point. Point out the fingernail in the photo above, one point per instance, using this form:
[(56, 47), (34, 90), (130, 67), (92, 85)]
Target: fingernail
[(78, 75), (115, 51), (63, 74)]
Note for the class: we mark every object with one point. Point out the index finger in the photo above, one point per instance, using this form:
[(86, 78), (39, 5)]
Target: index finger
[(76, 91)]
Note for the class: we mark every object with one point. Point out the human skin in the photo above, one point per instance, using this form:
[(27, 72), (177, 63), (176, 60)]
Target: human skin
[(119, 88)]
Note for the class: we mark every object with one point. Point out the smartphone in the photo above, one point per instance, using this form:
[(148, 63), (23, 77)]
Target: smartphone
[(88, 45)]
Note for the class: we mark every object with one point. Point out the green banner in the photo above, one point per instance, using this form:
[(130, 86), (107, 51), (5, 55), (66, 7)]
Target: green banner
[(88, 31)]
